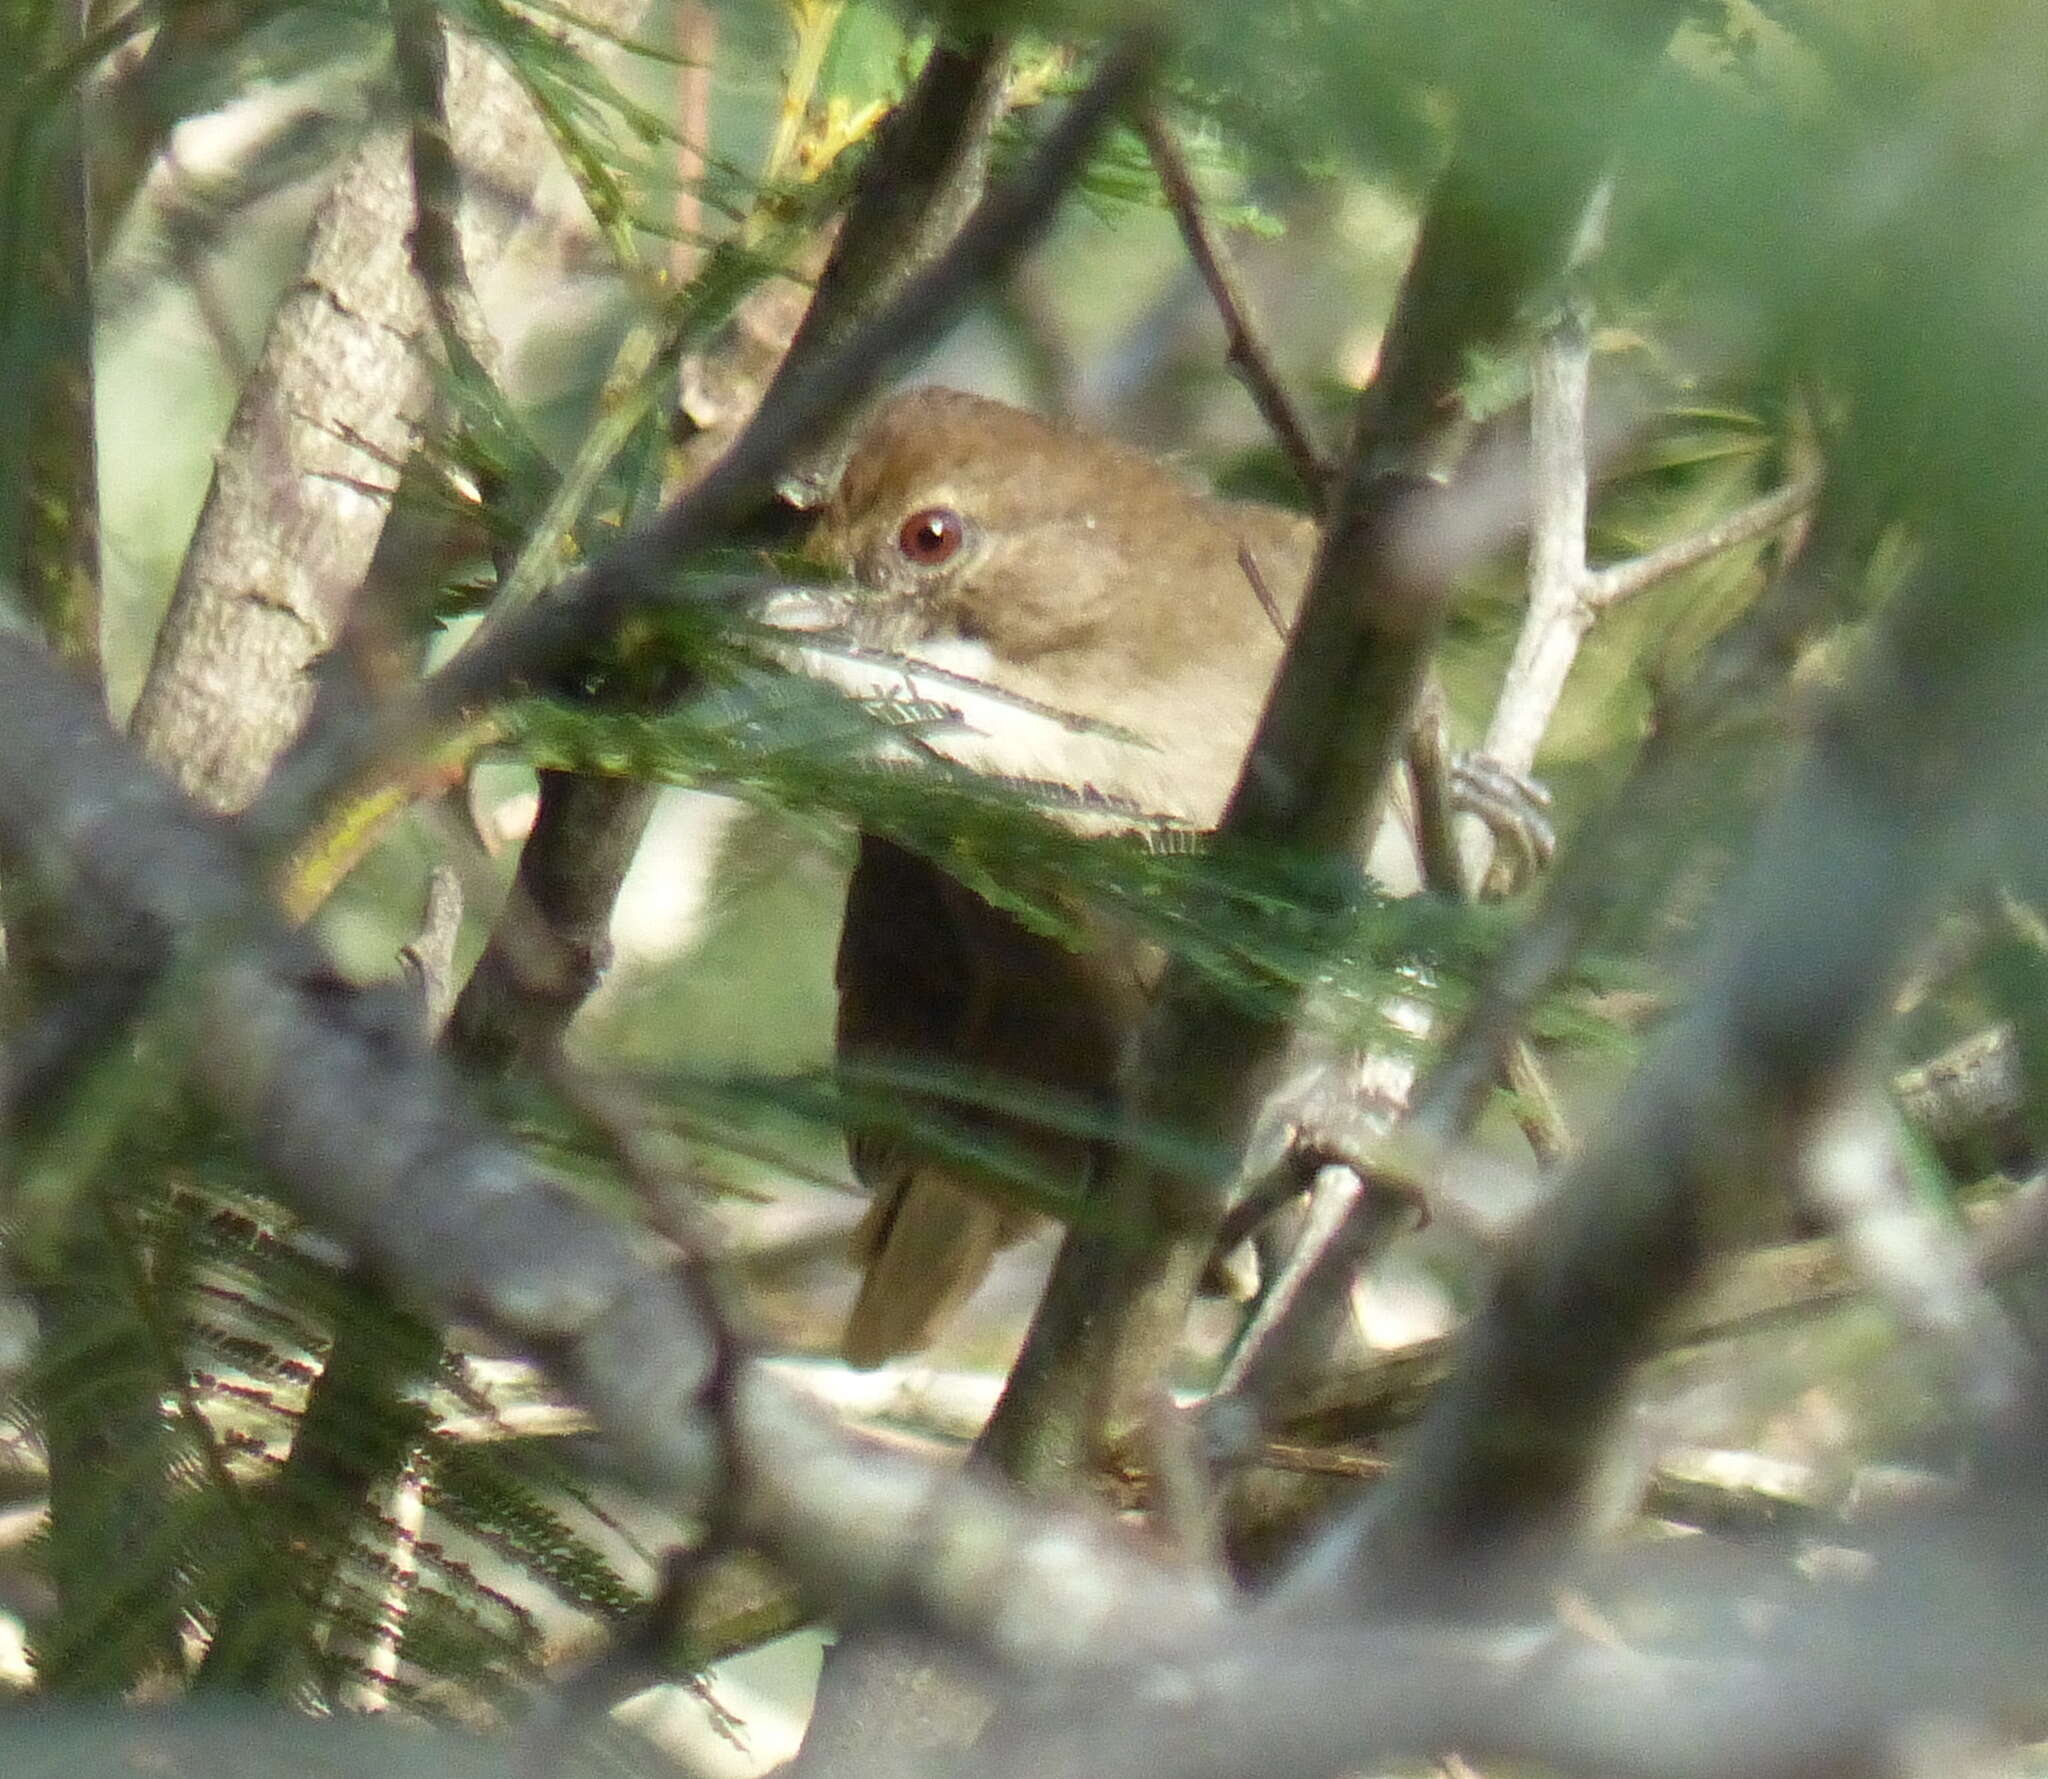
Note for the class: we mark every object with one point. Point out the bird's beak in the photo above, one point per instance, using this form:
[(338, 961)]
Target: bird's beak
[(807, 610)]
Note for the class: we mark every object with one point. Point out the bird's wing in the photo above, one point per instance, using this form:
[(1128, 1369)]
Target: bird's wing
[(929, 973)]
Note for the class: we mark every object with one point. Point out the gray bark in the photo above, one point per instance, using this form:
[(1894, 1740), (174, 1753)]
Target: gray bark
[(306, 474)]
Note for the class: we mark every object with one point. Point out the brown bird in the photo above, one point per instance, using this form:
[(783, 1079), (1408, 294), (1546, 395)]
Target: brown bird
[(1068, 572)]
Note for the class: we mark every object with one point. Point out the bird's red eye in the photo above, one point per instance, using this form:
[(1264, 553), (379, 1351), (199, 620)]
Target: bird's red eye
[(932, 536)]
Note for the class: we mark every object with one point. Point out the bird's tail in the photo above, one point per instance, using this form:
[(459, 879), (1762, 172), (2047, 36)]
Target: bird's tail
[(925, 1246)]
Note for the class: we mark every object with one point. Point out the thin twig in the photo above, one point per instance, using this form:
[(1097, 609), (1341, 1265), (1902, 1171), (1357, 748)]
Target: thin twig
[(1350, 1216), (1742, 668), (696, 28), (1247, 355), (1557, 618), (928, 170), (1445, 871), (649, 1653), (1739, 1295), (50, 519), (1607, 587), (1565, 596), (1260, 591), (1293, 1319), (187, 226), (428, 959)]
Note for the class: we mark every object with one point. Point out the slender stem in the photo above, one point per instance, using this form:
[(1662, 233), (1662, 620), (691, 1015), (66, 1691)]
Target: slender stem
[(1605, 587), (1557, 618), (1247, 353), (814, 23), (696, 26)]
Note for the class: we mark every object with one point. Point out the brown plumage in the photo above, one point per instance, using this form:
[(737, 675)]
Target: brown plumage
[(1079, 574)]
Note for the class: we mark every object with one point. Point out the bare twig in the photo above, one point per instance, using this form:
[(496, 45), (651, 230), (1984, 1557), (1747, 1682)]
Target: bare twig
[(420, 54), (551, 943), (428, 960), (1742, 667), (929, 170), (185, 239), (1186, 1505), (1349, 1218), (1738, 1295), (49, 475), (1247, 355), (647, 1655), (1260, 591), (1446, 871), (1609, 586), (1565, 596), (696, 27), (1557, 618)]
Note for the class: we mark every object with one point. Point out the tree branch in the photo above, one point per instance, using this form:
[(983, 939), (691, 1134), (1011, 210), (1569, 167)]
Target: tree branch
[(367, 1134), (1605, 587), (928, 170), (420, 54), (49, 465)]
